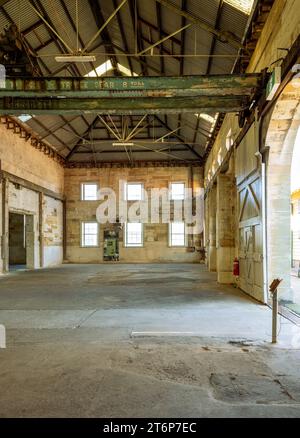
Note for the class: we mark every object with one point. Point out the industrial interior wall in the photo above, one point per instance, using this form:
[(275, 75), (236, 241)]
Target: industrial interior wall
[(275, 35), (156, 235), (20, 159), (52, 231), (296, 230)]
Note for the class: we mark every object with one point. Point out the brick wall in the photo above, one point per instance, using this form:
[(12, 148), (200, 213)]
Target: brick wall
[(156, 236)]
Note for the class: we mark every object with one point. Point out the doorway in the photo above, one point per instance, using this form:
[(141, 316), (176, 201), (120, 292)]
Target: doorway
[(21, 241), (295, 226), (281, 142)]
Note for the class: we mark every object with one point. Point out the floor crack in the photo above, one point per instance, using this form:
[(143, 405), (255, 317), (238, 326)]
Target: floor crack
[(83, 320)]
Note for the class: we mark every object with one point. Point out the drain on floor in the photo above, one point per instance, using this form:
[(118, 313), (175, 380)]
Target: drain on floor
[(249, 389)]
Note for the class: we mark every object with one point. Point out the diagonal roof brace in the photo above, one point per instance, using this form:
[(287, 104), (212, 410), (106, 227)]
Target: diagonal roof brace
[(103, 26), (223, 36)]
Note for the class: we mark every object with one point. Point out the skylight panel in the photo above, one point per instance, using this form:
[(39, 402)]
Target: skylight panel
[(126, 70), (24, 118), (106, 67), (208, 118), (101, 70), (244, 6)]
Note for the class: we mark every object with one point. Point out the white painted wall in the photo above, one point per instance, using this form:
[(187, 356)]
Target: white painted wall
[(20, 159), (52, 232)]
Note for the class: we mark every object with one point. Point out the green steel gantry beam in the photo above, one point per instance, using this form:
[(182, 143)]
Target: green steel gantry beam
[(128, 95), (40, 106), (204, 85)]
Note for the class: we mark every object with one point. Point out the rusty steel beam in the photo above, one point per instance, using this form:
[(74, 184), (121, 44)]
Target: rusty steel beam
[(149, 105), (149, 86)]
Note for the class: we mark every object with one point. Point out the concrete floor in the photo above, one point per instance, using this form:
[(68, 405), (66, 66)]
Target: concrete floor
[(141, 341)]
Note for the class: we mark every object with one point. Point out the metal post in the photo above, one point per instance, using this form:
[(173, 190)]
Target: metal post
[(274, 316), (273, 289)]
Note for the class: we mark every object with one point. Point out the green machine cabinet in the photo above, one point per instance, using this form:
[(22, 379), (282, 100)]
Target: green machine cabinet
[(111, 245)]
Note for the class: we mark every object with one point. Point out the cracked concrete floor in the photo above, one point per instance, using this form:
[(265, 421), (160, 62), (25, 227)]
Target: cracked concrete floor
[(141, 341)]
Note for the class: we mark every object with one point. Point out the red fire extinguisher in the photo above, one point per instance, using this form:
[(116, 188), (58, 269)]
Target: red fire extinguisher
[(236, 267)]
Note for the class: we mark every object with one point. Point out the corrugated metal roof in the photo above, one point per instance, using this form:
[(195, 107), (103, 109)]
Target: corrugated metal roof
[(196, 41), (21, 14)]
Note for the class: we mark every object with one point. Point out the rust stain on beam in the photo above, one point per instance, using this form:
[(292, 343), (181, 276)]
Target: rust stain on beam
[(131, 86), (40, 106)]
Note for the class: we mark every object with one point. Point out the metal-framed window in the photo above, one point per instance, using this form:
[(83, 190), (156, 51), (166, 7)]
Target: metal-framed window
[(133, 191), (89, 191), (177, 234), (177, 190), (133, 234), (89, 234)]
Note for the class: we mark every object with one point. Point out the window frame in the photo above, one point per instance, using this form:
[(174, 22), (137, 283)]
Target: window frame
[(133, 245), (132, 183), (170, 190), (83, 234), (171, 234), (88, 183)]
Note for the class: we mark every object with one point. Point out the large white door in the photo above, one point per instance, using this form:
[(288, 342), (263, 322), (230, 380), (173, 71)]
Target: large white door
[(250, 237)]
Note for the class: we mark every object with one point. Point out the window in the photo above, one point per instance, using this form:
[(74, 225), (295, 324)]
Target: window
[(134, 192), (134, 234), (89, 234), (177, 191), (177, 233), (89, 192)]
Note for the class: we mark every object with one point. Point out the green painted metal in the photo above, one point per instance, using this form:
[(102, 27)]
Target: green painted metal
[(115, 87), (128, 95), (150, 105)]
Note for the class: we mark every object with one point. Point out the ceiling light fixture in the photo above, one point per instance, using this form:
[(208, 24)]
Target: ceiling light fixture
[(123, 144), (75, 58)]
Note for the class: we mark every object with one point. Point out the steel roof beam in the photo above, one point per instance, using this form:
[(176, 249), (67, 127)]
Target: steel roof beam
[(134, 15), (163, 50), (182, 51), (129, 95), (210, 59), (223, 36), (121, 27), (159, 30), (159, 25), (142, 105), (182, 141), (142, 151), (99, 20), (66, 11), (78, 143), (116, 87), (104, 25)]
